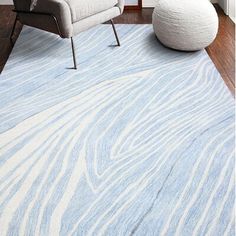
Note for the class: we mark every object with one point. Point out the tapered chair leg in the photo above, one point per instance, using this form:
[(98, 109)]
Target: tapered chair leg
[(114, 29), (74, 54), (13, 29)]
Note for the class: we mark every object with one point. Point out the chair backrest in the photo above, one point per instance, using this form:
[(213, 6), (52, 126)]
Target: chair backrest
[(22, 5)]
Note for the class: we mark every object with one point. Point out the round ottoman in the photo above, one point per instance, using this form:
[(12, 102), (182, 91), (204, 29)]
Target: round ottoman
[(187, 25)]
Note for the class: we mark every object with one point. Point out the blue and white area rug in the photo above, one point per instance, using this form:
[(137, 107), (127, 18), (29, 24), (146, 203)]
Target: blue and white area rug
[(138, 141)]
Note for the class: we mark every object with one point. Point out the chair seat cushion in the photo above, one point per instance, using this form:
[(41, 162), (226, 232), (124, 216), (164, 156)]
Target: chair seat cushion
[(81, 9)]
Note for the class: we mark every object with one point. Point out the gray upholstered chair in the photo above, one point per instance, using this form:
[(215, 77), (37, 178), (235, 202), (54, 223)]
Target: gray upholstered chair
[(67, 18)]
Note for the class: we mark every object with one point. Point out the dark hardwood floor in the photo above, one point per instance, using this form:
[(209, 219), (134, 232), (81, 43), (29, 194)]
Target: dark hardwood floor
[(222, 51), (7, 18)]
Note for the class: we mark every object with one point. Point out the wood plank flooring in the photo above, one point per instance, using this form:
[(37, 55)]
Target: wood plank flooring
[(222, 51)]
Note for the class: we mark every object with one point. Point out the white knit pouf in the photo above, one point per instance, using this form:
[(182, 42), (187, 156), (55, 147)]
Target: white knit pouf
[(187, 25)]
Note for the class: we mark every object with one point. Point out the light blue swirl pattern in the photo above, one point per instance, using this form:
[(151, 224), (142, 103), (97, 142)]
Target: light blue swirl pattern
[(138, 141)]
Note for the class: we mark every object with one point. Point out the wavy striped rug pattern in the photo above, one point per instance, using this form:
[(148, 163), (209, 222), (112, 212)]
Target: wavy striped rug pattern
[(138, 141)]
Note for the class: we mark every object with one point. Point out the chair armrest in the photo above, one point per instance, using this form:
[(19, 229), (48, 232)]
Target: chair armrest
[(61, 11), (121, 4)]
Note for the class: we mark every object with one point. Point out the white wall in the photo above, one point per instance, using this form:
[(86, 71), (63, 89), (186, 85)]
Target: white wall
[(131, 2), (223, 5), (5, 2), (148, 3), (231, 9)]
